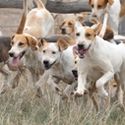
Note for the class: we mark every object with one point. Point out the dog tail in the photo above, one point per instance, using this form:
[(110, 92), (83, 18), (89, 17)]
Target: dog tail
[(122, 12), (39, 4), (23, 18)]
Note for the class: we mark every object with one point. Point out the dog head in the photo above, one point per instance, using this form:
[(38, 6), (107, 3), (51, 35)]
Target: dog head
[(52, 51), (99, 6), (85, 37), (109, 34), (20, 44), (67, 26)]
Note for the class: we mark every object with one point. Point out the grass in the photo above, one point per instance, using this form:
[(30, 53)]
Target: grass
[(20, 107)]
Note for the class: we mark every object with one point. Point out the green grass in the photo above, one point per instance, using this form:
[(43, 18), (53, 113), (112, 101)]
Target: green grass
[(20, 107)]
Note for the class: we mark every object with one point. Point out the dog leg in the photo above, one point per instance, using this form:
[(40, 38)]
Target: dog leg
[(81, 84), (53, 82), (57, 92), (102, 81), (41, 83), (119, 92), (69, 89)]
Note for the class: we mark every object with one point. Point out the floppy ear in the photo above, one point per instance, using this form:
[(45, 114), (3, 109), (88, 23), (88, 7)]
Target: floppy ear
[(71, 22), (110, 2), (42, 42), (62, 44), (80, 18), (32, 42)]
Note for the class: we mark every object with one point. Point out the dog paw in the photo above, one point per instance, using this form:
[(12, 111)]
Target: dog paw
[(80, 93)]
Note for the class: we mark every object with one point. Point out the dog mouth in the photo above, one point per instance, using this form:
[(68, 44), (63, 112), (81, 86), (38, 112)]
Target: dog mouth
[(15, 62), (80, 51), (48, 66)]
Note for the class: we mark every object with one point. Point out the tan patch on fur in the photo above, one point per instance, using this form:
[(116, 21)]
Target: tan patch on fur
[(109, 34), (122, 12), (90, 34), (101, 3), (68, 23), (19, 38), (43, 43), (25, 40), (62, 44), (65, 42)]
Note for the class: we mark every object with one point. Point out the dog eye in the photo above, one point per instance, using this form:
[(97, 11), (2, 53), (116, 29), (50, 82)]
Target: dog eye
[(99, 6), (70, 23), (53, 52), (21, 44), (75, 62), (92, 6), (77, 34), (87, 34), (44, 51)]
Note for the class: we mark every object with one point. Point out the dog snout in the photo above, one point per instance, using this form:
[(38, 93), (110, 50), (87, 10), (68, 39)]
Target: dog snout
[(94, 15), (46, 62), (80, 46), (63, 30), (11, 54)]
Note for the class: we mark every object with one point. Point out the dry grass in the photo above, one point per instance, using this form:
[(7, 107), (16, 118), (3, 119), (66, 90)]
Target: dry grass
[(20, 107)]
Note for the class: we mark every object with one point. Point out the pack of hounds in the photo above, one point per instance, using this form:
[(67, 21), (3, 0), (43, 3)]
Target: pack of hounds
[(87, 55)]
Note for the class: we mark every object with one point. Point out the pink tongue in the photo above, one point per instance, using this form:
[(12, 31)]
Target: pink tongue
[(16, 61), (81, 51)]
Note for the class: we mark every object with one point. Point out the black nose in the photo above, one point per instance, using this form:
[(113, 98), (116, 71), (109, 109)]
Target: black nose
[(94, 15), (63, 30), (46, 62), (80, 46), (11, 54)]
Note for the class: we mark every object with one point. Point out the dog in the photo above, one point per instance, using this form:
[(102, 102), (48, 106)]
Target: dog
[(58, 60), (102, 8), (39, 22), (68, 26), (96, 61), (53, 56)]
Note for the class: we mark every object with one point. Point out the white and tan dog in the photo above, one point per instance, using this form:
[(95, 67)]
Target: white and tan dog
[(68, 26), (109, 10), (97, 61), (39, 22), (58, 61)]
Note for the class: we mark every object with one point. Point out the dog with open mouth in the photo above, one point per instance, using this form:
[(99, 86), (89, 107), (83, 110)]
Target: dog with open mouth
[(21, 45), (96, 60), (38, 23), (58, 61)]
